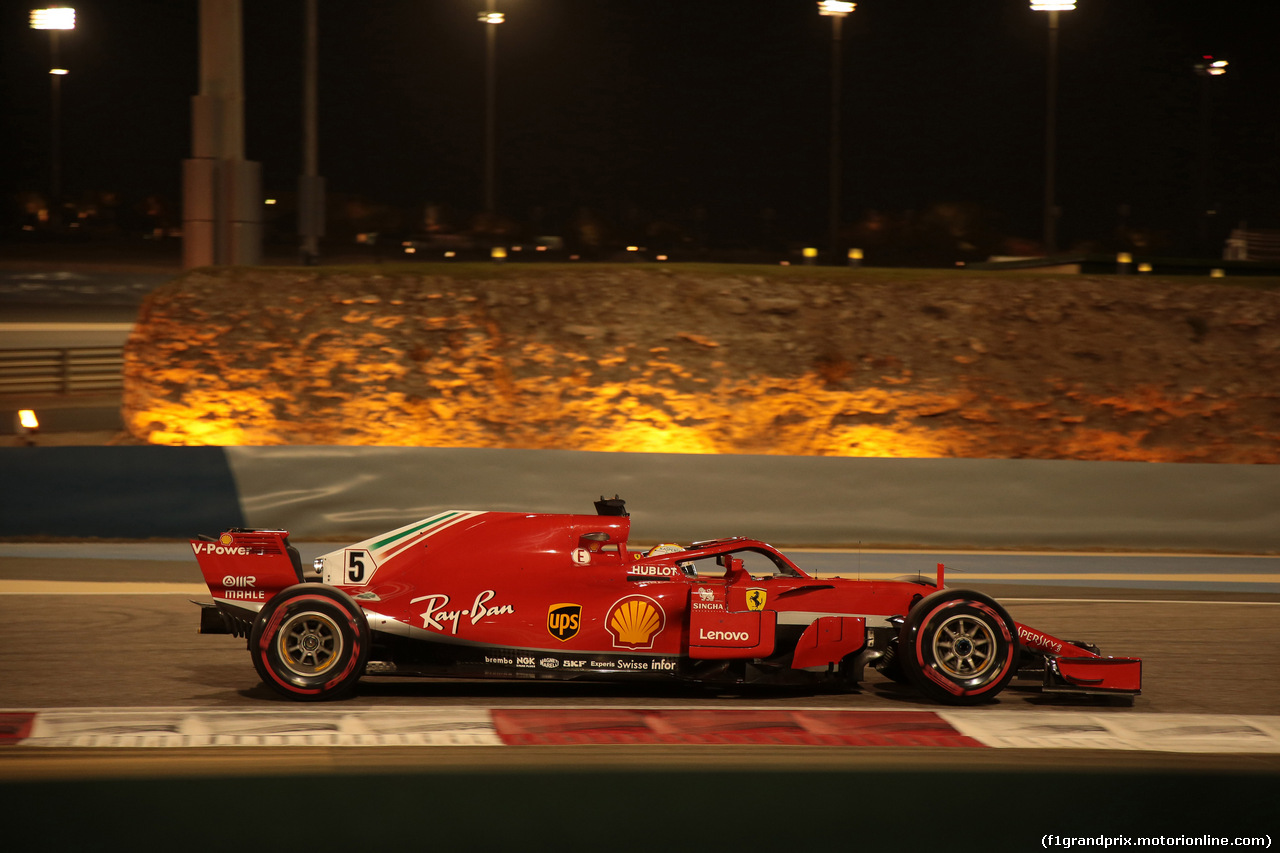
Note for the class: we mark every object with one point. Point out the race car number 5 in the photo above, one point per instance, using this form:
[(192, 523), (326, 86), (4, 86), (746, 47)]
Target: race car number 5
[(360, 566)]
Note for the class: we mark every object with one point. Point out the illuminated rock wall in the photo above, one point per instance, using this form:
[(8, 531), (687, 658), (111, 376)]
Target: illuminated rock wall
[(819, 362)]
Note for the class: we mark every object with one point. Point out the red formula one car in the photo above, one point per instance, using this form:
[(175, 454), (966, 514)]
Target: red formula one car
[(517, 595)]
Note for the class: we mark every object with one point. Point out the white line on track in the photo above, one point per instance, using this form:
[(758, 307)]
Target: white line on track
[(944, 552), (29, 587), (1112, 577), (66, 327)]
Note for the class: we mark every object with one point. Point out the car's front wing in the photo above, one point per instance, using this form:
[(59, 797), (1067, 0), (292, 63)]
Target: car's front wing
[(1070, 667)]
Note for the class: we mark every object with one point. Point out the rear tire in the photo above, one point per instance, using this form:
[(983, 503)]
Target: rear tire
[(958, 647), (310, 642)]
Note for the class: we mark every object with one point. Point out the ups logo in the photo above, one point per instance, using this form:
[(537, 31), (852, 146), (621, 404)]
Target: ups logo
[(563, 621)]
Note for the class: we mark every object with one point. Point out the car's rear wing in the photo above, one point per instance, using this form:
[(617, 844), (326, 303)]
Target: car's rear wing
[(244, 568)]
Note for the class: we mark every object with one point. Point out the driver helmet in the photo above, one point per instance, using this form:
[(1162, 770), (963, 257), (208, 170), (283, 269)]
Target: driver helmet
[(664, 548)]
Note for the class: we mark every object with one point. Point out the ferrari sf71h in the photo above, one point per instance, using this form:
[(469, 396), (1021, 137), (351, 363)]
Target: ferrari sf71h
[(520, 595)]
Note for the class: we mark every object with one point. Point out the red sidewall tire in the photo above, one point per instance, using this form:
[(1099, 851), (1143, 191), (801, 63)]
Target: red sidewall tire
[(310, 642), (959, 647)]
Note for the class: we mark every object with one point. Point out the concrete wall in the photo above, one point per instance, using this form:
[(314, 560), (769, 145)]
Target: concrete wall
[(349, 493)]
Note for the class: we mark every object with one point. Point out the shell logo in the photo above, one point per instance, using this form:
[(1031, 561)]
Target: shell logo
[(635, 621)]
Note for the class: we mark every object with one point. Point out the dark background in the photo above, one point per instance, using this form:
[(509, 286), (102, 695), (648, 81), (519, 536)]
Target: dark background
[(707, 118)]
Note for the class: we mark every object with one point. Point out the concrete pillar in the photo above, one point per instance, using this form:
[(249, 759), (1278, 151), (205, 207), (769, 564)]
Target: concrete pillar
[(222, 212)]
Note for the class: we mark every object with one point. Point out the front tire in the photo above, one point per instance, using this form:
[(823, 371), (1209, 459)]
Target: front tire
[(310, 642), (958, 647)]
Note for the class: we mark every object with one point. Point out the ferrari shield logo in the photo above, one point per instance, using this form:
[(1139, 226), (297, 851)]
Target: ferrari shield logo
[(756, 598), (563, 621)]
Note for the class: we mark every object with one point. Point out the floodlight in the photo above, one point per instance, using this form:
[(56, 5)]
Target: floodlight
[(57, 18), (836, 8)]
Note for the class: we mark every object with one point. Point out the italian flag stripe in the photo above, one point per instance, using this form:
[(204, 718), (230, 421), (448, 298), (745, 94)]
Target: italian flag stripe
[(409, 531)]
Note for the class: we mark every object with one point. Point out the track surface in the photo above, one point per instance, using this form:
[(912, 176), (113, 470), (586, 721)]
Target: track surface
[(1204, 652)]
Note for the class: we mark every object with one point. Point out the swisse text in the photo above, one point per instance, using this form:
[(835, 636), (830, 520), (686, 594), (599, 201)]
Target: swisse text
[(732, 636)]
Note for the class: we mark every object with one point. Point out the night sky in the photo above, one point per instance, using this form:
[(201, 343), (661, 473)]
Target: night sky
[(710, 113)]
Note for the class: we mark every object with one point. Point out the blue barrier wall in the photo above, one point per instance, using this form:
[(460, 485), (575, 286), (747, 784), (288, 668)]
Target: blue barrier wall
[(349, 493), (116, 492)]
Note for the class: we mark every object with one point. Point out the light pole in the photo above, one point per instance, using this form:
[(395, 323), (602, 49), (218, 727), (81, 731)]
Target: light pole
[(490, 18), (836, 11), (54, 19), (1206, 69), (1053, 7), (310, 184)]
